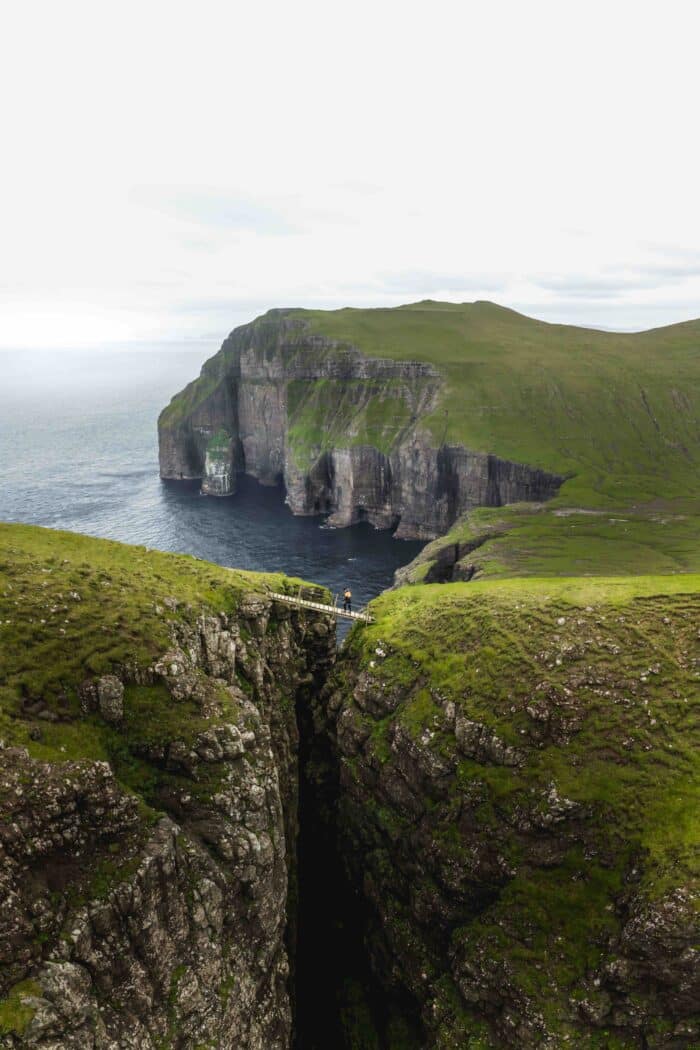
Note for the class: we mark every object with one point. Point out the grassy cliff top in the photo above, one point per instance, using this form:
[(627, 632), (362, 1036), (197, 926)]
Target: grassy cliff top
[(620, 411), (621, 656), (73, 607), (617, 414), (525, 539)]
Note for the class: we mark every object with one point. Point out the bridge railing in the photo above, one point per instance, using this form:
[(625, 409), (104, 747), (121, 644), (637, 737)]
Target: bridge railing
[(333, 610)]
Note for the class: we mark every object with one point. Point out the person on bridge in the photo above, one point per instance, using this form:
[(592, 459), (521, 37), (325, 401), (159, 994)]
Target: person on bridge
[(347, 600)]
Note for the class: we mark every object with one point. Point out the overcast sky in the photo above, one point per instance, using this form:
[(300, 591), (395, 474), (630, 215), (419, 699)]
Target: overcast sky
[(171, 169)]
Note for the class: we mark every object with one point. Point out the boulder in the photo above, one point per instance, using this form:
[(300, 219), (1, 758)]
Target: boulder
[(110, 698)]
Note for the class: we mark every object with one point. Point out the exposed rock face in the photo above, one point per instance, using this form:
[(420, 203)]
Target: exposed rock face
[(124, 927), (356, 450), (444, 561), (493, 813)]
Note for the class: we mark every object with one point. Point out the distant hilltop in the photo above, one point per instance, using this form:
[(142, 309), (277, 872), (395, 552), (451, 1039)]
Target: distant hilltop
[(410, 417)]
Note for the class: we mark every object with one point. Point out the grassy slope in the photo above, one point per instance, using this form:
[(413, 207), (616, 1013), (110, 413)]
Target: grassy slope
[(621, 656), (73, 607), (618, 412), (545, 540), (50, 640), (482, 643), (196, 392), (337, 413)]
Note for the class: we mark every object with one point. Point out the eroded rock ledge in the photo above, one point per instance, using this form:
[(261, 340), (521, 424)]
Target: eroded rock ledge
[(342, 432), (159, 918)]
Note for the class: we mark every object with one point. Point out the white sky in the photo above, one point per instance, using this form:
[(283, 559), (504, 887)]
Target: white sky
[(172, 169)]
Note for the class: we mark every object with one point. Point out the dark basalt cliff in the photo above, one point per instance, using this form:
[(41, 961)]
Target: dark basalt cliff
[(341, 431)]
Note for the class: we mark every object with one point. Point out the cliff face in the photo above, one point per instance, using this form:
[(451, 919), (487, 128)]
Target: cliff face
[(516, 783), (148, 803), (341, 431)]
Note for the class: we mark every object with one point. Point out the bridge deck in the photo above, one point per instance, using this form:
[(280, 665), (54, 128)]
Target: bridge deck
[(334, 610)]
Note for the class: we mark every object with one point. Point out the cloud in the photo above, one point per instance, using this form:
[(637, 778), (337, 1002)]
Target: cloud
[(425, 282), (217, 210), (615, 282), (135, 192), (672, 271), (579, 287), (221, 304), (611, 316)]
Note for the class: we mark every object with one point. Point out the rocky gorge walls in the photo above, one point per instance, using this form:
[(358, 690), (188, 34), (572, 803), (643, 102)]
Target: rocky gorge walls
[(341, 431), (472, 827), (148, 798)]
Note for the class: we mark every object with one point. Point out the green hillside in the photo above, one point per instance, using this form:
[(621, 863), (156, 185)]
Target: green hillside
[(616, 414), (619, 412), (550, 630), (486, 703), (545, 540)]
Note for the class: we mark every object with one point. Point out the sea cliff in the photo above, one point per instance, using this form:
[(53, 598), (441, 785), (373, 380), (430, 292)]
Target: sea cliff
[(342, 432), (474, 826), (413, 416)]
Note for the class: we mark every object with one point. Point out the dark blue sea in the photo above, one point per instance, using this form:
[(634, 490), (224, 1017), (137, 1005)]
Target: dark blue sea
[(79, 451)]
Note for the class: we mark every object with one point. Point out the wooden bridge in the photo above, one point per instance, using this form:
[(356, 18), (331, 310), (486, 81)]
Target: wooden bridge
[(331, 610)]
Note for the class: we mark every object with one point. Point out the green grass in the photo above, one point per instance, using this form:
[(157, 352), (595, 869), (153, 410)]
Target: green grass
[(189, 399), (331, 413), (552, 929), (616, 414), (545, 540), (73, 608), (196, 393), (487, 646), (219, 443)]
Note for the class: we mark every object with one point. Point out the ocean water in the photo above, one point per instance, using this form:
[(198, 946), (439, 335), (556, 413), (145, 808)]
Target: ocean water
[(79, 451)]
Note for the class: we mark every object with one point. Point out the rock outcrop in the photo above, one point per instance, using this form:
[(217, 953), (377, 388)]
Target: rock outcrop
[(341, 431)]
